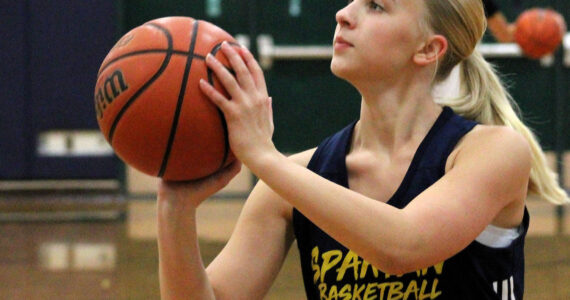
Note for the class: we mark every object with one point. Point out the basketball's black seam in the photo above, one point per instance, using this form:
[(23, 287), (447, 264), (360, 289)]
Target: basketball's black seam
[(220, 113), (214, 51), (226, 139), (146, 85), (147, 51), (181, 95)]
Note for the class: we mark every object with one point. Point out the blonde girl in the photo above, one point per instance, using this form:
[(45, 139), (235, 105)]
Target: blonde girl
[(413, 200)]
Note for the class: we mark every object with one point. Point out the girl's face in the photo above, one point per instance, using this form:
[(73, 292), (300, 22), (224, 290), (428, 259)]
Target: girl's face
[(376, 39)]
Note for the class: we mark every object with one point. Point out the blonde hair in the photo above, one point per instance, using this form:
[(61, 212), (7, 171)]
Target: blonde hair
[(483, 97)]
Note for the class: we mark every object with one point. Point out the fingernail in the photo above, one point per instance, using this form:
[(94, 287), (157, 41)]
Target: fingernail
[(211, 57)]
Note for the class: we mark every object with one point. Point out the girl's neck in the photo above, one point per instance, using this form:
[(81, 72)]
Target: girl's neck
[(390, 121)]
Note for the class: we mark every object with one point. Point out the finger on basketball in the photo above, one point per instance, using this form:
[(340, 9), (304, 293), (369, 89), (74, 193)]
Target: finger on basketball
[(214, 95), (199, 189), (221, 178), (243, 74), (226, 78), (254, 69)]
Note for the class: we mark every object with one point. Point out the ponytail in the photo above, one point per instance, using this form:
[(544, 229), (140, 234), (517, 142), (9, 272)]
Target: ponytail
[(484, 99)]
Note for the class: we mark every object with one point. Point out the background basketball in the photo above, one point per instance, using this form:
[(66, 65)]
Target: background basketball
[(148, 103), (539, 31)]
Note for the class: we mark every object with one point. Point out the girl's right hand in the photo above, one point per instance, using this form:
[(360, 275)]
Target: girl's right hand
[(191, 193)]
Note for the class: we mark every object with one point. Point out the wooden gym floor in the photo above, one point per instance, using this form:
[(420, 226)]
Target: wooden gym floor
[(116, 259)]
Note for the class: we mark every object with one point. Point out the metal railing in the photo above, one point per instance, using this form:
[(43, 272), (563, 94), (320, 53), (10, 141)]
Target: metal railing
[(269, 52)]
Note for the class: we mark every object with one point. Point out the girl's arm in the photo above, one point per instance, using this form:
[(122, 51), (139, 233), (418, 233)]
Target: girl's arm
[(489, 177), (181, 271), (250, 261), (502, 30)]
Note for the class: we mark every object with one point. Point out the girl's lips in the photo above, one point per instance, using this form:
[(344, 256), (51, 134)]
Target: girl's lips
[(341, 43), (340, 40)]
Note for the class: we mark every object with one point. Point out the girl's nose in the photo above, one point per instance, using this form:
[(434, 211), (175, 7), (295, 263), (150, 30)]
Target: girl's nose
[(343, 16)]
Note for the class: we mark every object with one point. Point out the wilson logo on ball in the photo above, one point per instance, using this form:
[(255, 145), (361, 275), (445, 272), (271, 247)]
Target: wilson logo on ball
[(111, 88)]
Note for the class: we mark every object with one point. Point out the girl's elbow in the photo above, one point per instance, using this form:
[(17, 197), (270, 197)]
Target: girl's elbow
[(398, 261)]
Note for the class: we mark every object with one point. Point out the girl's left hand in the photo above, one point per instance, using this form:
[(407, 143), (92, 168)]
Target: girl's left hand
[(248, 111)]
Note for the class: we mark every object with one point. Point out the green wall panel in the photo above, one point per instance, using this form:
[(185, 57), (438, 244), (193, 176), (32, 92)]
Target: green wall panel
[(233, 17), (314, 25), (531, 86), (309, 103)]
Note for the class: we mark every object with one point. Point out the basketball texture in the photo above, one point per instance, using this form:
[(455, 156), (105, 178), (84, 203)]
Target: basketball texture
[(149, 105), (539, 31)]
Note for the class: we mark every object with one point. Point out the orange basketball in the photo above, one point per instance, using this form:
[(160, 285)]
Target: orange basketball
[(539, 31), (148, 103)]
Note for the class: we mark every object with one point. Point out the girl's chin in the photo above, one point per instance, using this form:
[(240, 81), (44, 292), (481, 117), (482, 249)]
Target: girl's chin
[(340, 70)]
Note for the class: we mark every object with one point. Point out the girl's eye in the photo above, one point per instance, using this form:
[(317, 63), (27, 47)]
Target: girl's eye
[(372, 5), (375, 6)]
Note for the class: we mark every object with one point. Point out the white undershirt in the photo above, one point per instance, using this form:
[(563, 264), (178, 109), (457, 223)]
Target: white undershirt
[(497, 237)]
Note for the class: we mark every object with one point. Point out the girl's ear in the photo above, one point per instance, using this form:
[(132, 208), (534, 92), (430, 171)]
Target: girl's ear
[(431, 51)]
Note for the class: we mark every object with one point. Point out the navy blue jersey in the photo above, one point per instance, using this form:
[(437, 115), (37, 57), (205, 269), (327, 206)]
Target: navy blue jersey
[(478, 272)]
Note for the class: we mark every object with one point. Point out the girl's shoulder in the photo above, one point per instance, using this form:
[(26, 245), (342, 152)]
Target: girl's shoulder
[(499, 135), (485, 142)]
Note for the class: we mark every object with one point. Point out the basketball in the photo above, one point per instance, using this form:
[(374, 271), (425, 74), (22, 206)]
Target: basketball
[(149, 105), (539, 32)]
